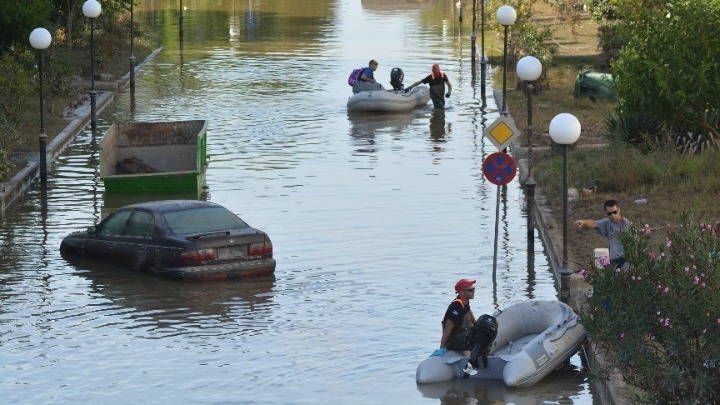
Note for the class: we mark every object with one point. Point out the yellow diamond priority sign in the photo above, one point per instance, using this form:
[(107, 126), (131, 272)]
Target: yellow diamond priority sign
[(501, 132)]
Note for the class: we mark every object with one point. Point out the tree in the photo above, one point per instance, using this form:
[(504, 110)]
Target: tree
[(667, 75), (19, 18), (524, 37)]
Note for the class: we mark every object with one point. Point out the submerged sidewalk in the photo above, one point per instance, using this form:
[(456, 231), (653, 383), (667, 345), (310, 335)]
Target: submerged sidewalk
[(15, 188)]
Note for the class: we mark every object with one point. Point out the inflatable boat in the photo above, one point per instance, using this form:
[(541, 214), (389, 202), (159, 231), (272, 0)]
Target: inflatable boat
[(533, 339), (389, 100)]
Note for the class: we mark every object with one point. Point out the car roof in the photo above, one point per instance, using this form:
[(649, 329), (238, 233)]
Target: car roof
[(172, 205)]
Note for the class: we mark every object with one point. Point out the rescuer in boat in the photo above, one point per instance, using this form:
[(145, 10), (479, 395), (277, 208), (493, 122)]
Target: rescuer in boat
[(458, 319), (437, 81), (460, 330)]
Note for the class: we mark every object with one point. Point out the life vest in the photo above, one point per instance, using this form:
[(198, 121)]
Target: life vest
[(462, 325)]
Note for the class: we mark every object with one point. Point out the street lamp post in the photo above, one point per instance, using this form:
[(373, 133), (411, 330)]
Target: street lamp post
[(181, 20), (473, 38), (528, 70), (91, 9), (132, 49), (565, 130), (506, 17), (40, 39)]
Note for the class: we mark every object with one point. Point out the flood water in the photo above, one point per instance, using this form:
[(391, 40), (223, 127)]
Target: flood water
[(373, 220)]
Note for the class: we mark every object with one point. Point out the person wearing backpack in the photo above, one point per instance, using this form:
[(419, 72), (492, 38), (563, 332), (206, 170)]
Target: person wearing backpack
[(367, 81), (437, 81)]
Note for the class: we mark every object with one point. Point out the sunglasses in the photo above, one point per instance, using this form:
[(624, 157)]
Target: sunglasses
[(611, 213), (470, 289)]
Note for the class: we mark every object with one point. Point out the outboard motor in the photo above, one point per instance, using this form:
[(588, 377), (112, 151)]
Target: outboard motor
[(479, 339), (396, 78)]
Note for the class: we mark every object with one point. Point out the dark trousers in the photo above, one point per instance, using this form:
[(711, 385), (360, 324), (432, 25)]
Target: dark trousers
[(457, 342)]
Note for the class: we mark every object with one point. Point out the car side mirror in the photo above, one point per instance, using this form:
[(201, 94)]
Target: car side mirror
[(91, 230)]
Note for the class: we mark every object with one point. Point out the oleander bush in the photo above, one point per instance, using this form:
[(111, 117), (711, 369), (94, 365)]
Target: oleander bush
[(659, 322)]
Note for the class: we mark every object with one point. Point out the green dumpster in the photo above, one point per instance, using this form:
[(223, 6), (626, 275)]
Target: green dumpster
[(594, 85)]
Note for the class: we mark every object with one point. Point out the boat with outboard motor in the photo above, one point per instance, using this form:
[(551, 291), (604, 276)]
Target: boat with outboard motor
[(389, 100), (533, 338), (368, 98)]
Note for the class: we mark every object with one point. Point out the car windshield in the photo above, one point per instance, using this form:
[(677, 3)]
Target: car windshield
[(202, 220)]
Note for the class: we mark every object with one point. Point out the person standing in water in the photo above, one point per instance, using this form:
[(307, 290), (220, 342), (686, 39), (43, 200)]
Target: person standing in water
[(437, 81)]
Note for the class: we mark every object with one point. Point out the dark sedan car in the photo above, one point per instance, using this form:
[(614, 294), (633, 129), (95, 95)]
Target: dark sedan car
[(186, 239)]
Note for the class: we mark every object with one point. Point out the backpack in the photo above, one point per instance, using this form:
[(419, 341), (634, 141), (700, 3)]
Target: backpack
[(355, 76)]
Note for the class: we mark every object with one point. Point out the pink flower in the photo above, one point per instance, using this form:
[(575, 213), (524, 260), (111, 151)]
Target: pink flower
[(622, 335), (668, 243), (582, 272)]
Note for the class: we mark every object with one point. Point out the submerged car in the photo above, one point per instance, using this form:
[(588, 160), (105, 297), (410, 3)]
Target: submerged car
[(185, 239)]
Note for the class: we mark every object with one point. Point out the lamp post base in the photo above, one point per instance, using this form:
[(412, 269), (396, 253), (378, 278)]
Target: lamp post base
[(530, 194), (565, 285), (93, 110), (43, 157), (132, 74)]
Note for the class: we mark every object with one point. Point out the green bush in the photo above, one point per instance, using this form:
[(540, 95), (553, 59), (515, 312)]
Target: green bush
[(16, 70), (8, 139), (665, 76), (659, 322)]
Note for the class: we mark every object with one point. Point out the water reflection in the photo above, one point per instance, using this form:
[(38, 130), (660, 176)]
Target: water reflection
[(560, 387), (155, 298), (437, 125), (396, 5), (365, 127)]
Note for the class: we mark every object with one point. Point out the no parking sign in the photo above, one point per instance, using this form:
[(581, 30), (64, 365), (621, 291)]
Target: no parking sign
[(499, 168)]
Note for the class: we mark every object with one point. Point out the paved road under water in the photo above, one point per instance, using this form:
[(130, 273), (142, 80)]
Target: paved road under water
[(373, 219)]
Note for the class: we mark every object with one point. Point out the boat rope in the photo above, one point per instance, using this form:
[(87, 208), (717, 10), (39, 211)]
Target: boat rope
[(575, 322)]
